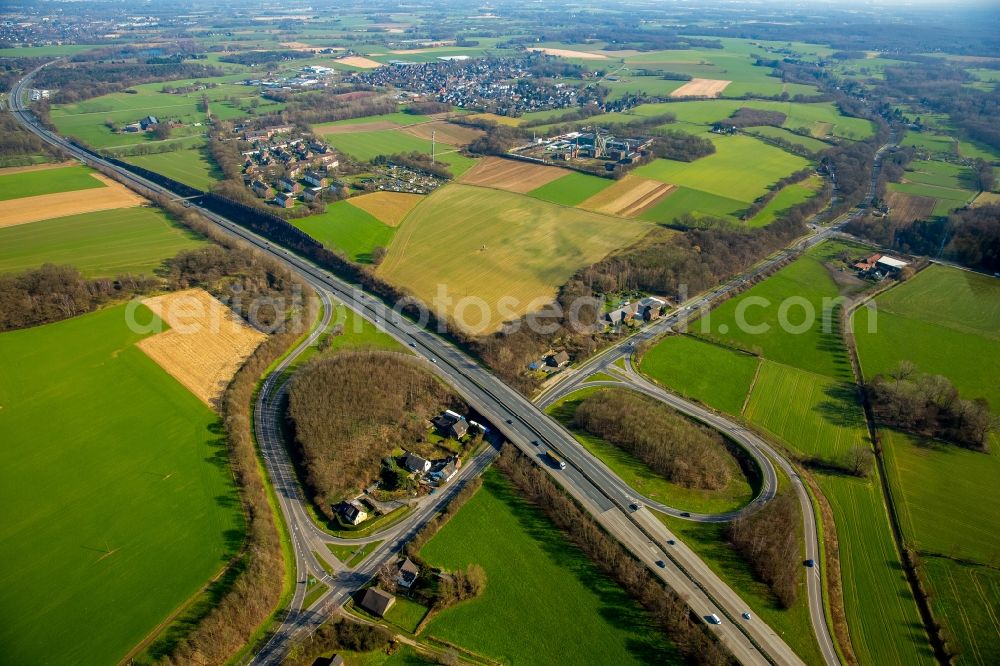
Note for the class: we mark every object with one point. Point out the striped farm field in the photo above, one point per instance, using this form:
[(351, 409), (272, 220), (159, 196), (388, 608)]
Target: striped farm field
[(47, 181), (815, 415), (684, 200), (628, 197), (572, 189), (494, 245), (511, 175), (965, 597), (191, 166), (882, 616)]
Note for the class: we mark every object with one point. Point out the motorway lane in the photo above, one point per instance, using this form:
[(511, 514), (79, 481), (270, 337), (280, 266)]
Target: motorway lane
[(597, 489)]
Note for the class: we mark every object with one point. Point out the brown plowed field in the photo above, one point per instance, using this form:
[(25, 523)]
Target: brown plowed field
[(905, 208), (388, 207), (701, 88), (567, 53), (353, 128), (206, 344), (628, 197), (449, 133), (359, 61), (62, 204), (511, 175)]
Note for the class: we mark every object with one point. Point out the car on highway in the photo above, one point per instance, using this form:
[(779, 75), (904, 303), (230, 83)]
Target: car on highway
[(434, 360), (634, 506), (685, 514), (671, 542), (413, 344), (746, 615), (661, 564), (713, 619), (810, 563)]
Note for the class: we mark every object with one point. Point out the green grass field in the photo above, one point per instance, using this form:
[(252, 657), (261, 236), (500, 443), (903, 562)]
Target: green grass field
[(700, 204), (813, 414), (882, 617), (717, 376), (790, 195), (572, 189), (534, 578), (400, 118), (492, 244), (364, 146), (940, 174), (741, 168), (106, 243), (406, 614), (965, 597), (637, 474), (807, 142), (191, 166), (754, 320), (937, 144), (347, 228), (47, 181), (119, 497)]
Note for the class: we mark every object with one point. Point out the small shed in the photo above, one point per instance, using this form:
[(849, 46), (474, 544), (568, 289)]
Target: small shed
[(376, 601)]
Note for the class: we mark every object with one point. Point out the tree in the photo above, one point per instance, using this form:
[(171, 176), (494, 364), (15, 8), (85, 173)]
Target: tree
[(161, 131), (859, 460)]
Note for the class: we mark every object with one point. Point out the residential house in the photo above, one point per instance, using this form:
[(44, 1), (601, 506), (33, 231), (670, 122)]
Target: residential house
[(414, 463), (445, 470), (622, 314), (261, 189), (149, 121), (288, 185), (458, 429), (285, 199), (557, 360), (314, 179), (406, 573), (376, 601), (353, 513), (650, 308), (312, 193)]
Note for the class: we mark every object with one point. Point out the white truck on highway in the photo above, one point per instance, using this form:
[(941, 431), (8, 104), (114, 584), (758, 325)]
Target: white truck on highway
[(556, 460)]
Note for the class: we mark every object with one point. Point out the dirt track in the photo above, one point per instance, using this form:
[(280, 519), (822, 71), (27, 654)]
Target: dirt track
[(62, 204), (701, 88)]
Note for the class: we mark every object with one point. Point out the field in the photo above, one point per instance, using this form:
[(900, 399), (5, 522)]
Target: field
[(191, 166), (534, 577), (347, 228), (47, 181), (389, 208), (986, 198), (628, 197), (801, 288), (206, 342), (906, 208), (385, 120), (807, 142), (489, 244), (119, 481), (789, 196), (742, 168), (568, 53), (445, 132), (701, 88), (130, 240), (638, 475), (966, 597), (950, 184), (716, 376), (938, 144), (365, 146), (815, 415), (700, 204), (359, 61), (572, 189), (113, 195), (511, 175), (882, 617)]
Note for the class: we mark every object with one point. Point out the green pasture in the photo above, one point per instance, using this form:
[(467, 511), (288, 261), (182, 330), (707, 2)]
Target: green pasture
[(399, 117), (683, 200), (348, 229), (637, 474), (938, 144), (741, 168), (940, 174), (948, 199), (964, 597), (717, 376), (806, 142), (789, 196), (105, 243), (572, 189), (815, 415), (47, 181), (534, 577), (119, 496), (191, 166)]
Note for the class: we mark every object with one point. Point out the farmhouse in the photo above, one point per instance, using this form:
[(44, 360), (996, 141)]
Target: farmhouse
[(651, 308), (865, 265), (148, 121), (406, 573), (890, 265), (376, 601), (353, 513), (414, 463), (622, 314)]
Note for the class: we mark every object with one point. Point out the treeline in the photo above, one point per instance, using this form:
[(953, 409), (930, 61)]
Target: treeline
[(329, 106), (970, 237), (336, 635), (930, 406), (762, 201), (80, 81), (769, 541), (249, 58), (681, 146), (52, 293), (676, 448), (427, 108), (852, 164), (666, 608), (19, 147), (497, 140), (747, 117), (350, 411)]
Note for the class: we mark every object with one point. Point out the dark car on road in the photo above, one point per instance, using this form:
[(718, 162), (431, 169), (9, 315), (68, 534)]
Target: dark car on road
[(809, 563)]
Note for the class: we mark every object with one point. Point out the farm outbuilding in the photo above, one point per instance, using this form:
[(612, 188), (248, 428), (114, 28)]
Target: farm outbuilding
[(376, 601)]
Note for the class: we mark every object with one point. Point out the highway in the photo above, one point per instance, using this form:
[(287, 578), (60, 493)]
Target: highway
[(598, 490)]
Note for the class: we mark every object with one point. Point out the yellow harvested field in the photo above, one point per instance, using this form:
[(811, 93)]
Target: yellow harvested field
[(628, 197), (450, 133), (206, 344), (701, 88), (511, 175), (359, 61), (499, 120), (6, 171), (985, 199), (388, 207), (62, 204), (566, 53)]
